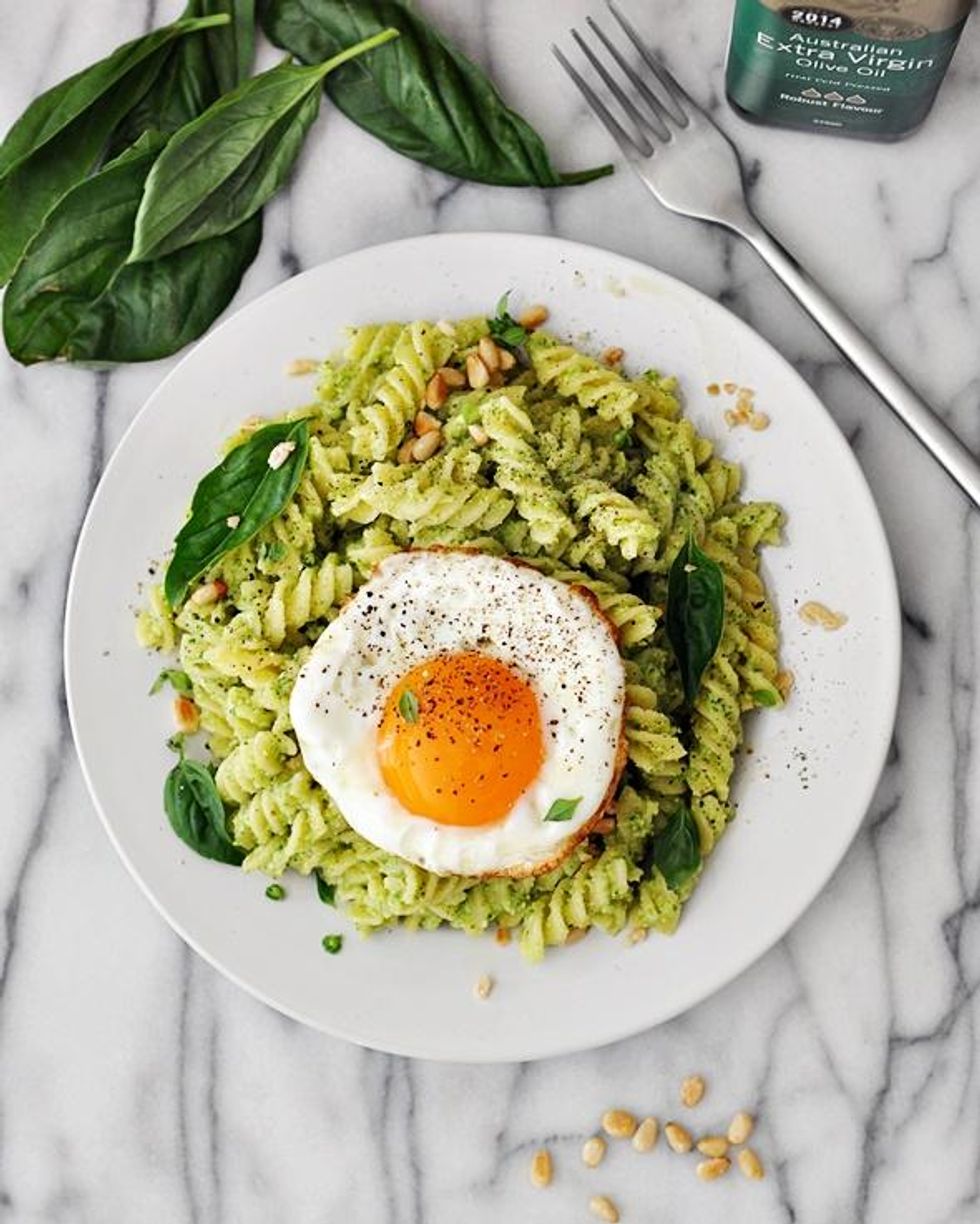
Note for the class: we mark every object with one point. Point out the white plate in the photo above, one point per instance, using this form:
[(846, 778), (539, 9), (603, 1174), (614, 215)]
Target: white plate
[(802, 792)]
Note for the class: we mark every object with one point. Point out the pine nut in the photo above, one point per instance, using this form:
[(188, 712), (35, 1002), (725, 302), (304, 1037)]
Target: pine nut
[(646, 1135), (604, 826), (425, 447), (302, 365), (602, 1206), (713, 1145), (619, 1123), (611, 356), (489, 353), (593, 1151), (637, 935), (496, 378), (678, 1137), (436, 391), (692, 1091), (503, 936), (425, 422), (740, 1127), (483, 987), (452, 377), (209, 592), (575, 935), (533, 317), (751, 1165), (541, 1168), (405, 450), (507, 359), (814, 613), (477, 373), (784, 681), (710, 1170), (479, 435), (187, 717)]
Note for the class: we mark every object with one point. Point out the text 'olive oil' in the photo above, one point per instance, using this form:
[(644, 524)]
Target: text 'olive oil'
[(867, 68)]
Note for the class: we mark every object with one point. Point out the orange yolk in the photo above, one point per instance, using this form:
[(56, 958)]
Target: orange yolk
[(460, 739)]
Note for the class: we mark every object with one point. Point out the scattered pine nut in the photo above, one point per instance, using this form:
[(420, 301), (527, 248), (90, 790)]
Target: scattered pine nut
[(751, 1165), (405, 450), (611, 356), (740, 1127), (758, 420), (233, 520), (646, 1135), (713, 389), (209, 592), (479, 435), (426, 446), (710, 1170), (784, 681), (452, 377), (302, 365), (575, 935), (678, 1137), (813, 613), (425, 422), (603, 826), (436, 391), (619, 1123), (692, 1090), (477, 373), (533, 317), (541, 1168), (489, 353), (279, 454), (593, 1151), (507, 359), (187, 717), (447, 328), (729, 388), (503, 936), (602, 1206), (731, 418), (637, 935), (484, 985), (713, 1145)]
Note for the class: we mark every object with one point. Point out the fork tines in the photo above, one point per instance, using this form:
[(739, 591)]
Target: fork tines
[(651, 116)]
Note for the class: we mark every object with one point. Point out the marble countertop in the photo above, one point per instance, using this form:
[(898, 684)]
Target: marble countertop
[(138, 1084)]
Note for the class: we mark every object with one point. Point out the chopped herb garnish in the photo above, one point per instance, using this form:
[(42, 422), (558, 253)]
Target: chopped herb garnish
[(504, 327), (332, 943), (563, 809), (408, 706), (765, 697), (275, 892), (177, 679), (622, 438), (326, 892)]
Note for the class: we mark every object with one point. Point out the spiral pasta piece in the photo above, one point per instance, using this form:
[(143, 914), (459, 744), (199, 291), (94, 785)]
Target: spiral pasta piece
[(582, 379)]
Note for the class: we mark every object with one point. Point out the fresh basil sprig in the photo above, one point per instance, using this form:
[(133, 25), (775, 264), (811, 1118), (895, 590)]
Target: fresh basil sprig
[(695, 613), (243, 488), (61, 136), (562, 809), (504, 327), (178, 680), (219, 170), (73, 296), (677, 849), (196, 813), (420, 95)]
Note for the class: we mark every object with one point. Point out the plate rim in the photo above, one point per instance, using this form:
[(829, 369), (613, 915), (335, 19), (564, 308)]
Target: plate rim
[(732, 968)]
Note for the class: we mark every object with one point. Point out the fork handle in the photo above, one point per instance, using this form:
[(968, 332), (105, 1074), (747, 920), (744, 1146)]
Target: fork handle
[(944, 446)]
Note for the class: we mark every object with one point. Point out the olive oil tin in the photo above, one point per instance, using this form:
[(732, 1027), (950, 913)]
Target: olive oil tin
[(868, 68)]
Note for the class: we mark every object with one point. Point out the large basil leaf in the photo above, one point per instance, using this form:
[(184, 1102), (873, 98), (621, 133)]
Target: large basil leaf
[(63, 133), (243, 488), (231, 48), (677, 849), (695, 613), (196, 813), (219, 170), (420, 95), (74, 298)]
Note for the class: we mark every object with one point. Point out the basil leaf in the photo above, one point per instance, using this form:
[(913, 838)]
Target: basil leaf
[(504, 328), (326, 892), (766, 697), (178, 680), (563, 809), (677, 849), (195, 73), (74, 298), (695, 613), (243, 485), (420, 95), (220, 169), (61, 136), (196, 813), (408, 706)]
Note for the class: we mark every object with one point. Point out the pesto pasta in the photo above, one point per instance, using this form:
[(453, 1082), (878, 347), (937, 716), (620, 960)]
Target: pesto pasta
[(556, 460)]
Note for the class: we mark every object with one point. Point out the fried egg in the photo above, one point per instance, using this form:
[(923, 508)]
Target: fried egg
[(465, 712)]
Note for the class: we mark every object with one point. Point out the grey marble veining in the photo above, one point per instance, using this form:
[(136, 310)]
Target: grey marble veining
[(138, 1085)]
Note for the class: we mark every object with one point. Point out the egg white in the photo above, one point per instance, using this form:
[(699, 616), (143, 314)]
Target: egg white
[(424, 603)]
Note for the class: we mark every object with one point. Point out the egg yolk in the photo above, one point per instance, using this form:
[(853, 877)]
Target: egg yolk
[(460, 739)]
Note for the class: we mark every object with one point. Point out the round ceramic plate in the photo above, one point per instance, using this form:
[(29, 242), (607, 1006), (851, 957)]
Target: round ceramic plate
[(802, 791)]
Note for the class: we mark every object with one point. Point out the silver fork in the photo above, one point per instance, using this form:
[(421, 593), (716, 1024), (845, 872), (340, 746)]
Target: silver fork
[(694, 169)]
